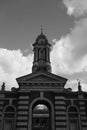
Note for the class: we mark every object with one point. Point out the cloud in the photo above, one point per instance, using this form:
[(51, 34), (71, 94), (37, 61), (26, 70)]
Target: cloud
[(12, 65), (76, 7), (71, 50), (69, 53)]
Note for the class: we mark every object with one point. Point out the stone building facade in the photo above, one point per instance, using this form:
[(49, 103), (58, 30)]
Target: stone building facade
[(41, 102)]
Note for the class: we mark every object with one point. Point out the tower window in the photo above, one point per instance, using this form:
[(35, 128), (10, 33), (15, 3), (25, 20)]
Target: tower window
[(42, 54)]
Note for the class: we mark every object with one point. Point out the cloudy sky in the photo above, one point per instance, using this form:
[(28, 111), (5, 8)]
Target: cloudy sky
[(65, 25)]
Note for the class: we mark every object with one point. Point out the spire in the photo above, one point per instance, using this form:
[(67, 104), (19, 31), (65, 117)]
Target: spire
[(42, 29)]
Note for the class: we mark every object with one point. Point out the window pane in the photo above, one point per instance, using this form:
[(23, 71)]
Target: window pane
[(7, 125), (73, 125), (9, 115)]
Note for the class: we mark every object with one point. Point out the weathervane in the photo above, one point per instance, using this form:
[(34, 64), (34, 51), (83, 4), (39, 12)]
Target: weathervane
[(41, 29)]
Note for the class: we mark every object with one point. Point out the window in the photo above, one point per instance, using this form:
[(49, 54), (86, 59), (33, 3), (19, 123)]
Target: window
[(8, 120), (42, 54), (73, 118)]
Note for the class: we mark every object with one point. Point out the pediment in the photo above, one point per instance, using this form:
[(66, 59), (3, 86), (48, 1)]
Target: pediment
[(41, 76)]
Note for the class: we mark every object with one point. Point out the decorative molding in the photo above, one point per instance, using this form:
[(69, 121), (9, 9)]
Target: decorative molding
[(72, 102), (10, 101), (41, 95)]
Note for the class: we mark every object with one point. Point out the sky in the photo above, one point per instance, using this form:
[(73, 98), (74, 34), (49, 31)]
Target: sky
[(65, 25)]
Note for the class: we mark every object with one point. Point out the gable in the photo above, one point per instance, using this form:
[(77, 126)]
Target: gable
[(41, 81), (41, 76)]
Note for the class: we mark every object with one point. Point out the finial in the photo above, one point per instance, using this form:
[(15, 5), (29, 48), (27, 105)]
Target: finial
[(3, 86), (79, 85), (41, 29)]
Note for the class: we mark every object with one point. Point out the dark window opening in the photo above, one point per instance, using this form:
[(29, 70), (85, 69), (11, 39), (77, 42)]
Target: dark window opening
[(9, 117), (73, 119), (42, 54)]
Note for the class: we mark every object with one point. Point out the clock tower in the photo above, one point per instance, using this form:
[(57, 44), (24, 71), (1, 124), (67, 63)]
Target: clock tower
[(41, 54)]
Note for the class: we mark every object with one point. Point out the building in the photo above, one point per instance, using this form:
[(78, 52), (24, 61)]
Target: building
[(41, 102)]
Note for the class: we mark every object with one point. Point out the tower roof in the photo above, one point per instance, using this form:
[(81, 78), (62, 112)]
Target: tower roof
[(42, 37)]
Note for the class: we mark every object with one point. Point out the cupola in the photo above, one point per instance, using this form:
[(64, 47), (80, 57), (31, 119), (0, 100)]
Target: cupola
[(41, 49)]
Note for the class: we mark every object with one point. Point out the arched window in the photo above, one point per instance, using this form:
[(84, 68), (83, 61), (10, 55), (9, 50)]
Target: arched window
[(9, 118), (41, 117), (42, 54), (73, 118)]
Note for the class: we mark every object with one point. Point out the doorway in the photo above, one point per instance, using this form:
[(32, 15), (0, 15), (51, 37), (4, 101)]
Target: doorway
[(41, 117)]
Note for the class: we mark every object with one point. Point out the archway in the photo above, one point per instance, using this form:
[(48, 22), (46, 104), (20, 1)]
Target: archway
[(41, 115)]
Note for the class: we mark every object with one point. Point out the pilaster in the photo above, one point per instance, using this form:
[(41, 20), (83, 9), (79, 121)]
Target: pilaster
[(22, 112), (83, 120), (60, 113)]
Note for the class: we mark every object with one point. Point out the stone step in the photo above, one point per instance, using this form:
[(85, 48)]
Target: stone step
[(24, 97), (23, 102), (22, 129), (60, 128), (60, 113), (60, 124), (84, 124), (81, 103), (60, 117), (23, 107), (82, 113), (60, 103), (82, 108), (22, 113), (22, 124), (83, 118), (22, 118), (60, 108), (59, 98)]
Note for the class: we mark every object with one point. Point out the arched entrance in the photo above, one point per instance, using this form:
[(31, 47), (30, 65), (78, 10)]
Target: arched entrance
[(41, 115)]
